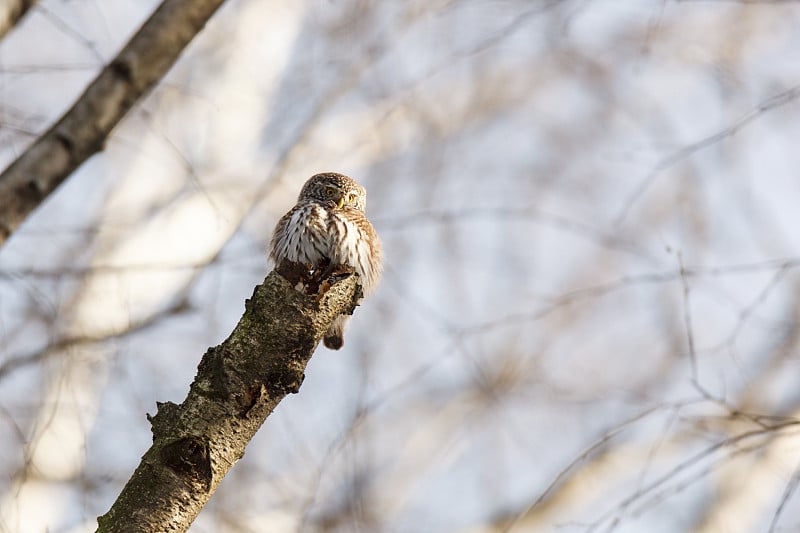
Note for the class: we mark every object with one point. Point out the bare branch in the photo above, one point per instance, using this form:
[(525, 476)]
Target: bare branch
[(616, 515), (687, 321), (774, 102), (58, 346), (82, 131), (11, 12), (791, 487), (583, 457), (238, 384)]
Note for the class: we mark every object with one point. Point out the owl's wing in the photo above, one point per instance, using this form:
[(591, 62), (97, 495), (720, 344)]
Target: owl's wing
[(356, 243), (300, 235), (278, 244)]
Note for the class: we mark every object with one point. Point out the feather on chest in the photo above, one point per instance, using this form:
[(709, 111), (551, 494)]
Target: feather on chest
[(313, 233)]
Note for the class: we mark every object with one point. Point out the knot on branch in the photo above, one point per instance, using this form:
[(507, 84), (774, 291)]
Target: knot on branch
[(190, 459), (284, 381), (163, 420), (251, 398)]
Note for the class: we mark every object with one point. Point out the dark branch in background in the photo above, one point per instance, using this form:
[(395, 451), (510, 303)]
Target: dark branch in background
[(238, 384), (58, 346), (11, 13), (82, 131)]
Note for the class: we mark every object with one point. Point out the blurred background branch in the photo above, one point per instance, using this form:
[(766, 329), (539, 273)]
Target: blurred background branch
[(589, 316), (11, 12), (82, 131)]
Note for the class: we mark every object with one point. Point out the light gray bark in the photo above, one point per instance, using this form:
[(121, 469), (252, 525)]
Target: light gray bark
[(238, 384), (82, 131)]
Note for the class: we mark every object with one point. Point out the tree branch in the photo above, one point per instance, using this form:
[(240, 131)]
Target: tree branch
[(11, 12), (82, 131), (238, 384)]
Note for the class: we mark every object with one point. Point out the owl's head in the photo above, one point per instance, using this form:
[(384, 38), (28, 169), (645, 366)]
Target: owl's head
[(334, 189)]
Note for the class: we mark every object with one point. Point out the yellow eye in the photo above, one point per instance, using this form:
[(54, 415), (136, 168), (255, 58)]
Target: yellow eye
[(329, 191), (351, 198)]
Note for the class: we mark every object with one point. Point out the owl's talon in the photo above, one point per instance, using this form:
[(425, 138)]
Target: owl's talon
[(329, 277), (341, 272)]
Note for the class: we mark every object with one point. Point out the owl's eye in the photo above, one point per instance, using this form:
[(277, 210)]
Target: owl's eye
[(329, 191), (351, 198)]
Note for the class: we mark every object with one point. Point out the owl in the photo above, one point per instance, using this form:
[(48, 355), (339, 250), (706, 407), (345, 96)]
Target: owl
[(328, 227)]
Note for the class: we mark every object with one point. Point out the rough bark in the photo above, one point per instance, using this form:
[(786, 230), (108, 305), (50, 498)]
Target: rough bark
[(82, 131), (238, 384)]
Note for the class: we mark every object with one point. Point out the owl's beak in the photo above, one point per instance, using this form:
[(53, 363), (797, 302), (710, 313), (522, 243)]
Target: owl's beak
[(340, 203)]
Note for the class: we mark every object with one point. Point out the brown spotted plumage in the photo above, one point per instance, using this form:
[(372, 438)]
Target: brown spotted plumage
[(328, 225)]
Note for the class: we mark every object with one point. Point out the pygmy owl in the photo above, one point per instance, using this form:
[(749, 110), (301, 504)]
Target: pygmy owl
[(328, 226)]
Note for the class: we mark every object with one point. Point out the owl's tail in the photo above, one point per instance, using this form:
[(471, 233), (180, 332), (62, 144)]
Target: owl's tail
[(334, 338)]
